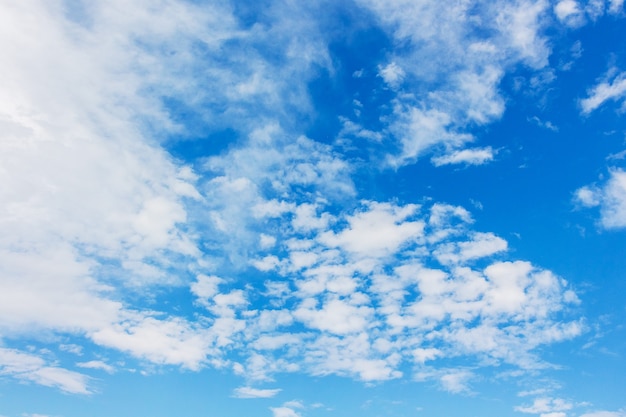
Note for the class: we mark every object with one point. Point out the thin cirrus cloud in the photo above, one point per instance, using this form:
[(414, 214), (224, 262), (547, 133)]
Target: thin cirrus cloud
[(287, 266)]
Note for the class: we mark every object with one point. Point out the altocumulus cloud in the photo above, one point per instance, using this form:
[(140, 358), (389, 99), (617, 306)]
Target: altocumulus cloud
[(288, 267)]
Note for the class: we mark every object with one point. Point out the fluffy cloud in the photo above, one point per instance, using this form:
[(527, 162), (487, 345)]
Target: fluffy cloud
[(610, 197), (284, 412), (367, 307), (569, 12), (97, 215)]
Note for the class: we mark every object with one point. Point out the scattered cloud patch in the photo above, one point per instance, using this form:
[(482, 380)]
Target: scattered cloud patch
[(477, 156), (604, 414), (569, 13), (546, 406), (610, 197), (543, 124), (28, 367), (249, 392), (615, 6), (392, 74), (96, 365), (612, 88), (284, 412)]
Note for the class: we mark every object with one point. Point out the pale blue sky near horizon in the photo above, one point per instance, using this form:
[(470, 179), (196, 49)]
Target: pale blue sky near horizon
[(307, 209)]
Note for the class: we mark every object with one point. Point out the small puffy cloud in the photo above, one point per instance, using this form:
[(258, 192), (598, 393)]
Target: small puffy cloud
[(284, 412), (379, 230), (335, 316), (609, 89), (610, 197), (476, 156), (392, 74), (588, 196), (249, 392), (481, 245), (569, 12), (205, 287), (615, 6)]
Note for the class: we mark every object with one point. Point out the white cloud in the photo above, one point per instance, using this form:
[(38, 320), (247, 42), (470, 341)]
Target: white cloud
[(170, 341), (284, 412), (569, 12), (378, 231), (588, 197), (610, 197), (455, 381), (612, 88), (481, 245), (604, 414), (546, 406), (615, 6), (544, 124), (96, 365), (444, 93), (336, 316), (30, 368), (249, 392), (92, 206), (477, 156), (613, 209), (392, 74), (206, 288)]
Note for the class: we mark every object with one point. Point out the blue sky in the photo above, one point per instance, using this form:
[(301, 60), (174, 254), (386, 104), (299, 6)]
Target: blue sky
[(303, 209)]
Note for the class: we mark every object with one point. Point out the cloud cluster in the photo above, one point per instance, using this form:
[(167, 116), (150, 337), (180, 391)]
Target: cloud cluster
[(287, 269), (454, 57)]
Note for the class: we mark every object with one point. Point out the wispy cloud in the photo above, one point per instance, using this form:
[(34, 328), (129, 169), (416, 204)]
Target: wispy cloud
[(96, 365), (478, 156), (31, 368), (249, 392), (546, 406), (604, 414), (443, 94), (612, 88)]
